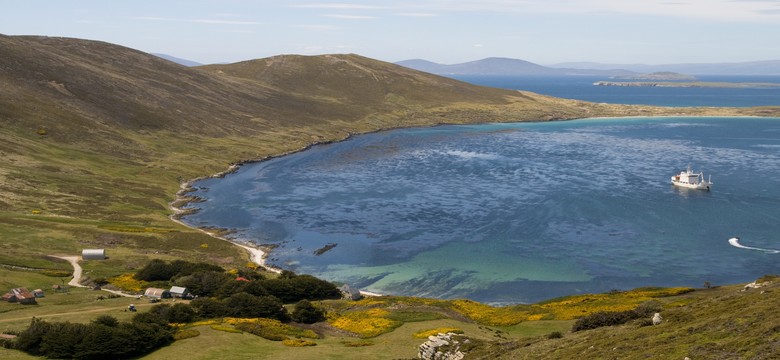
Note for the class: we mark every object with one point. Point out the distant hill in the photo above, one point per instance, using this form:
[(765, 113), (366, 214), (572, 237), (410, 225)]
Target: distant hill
[(504, 66), (769, 67), (179, 61)]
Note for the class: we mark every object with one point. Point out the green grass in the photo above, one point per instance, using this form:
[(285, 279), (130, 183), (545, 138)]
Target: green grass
[(120, 141)]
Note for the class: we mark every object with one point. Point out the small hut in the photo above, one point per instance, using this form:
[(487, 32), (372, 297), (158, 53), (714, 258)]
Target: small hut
[(20, 295), (38, 293), (155, 293), (93, 254)]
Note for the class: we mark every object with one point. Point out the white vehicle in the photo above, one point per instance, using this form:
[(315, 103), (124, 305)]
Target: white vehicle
[(691, 180)]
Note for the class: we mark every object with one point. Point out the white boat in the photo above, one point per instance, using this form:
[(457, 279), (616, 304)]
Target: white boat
[(691, 180)]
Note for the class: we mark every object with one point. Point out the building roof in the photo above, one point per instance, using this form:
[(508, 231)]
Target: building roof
[(155, 292), (178, 290)]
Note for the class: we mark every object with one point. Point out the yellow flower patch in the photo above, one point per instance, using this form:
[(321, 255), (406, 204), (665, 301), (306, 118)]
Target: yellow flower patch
[(298, 342), (366, 323), (488, 315), (573, 307), (128, 282)]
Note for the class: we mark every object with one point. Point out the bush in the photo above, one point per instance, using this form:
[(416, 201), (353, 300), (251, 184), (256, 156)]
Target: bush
[(248, 306), (104, 338), (307, 313), (157, 269), (555, 335), (604, 318)]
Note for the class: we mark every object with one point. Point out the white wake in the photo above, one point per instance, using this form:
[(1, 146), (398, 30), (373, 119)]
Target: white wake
[(735, 243)]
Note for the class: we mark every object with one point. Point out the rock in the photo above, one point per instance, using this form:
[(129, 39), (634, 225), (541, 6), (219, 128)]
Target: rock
[(657, 318), (755, 285), (441, 347)]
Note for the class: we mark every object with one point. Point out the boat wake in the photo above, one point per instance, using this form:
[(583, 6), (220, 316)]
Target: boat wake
[(735, 243)]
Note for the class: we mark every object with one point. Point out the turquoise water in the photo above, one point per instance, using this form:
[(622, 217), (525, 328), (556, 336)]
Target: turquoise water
[(511, 213)]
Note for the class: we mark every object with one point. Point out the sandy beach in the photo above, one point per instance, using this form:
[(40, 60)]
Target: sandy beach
[(256, 255)]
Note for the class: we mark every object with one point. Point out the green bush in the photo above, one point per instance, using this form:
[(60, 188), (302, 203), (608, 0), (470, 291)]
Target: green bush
[(307, 313), (604, 318), (555, 335), (104, 338)]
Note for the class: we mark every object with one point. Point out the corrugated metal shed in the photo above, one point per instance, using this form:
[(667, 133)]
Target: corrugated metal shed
[(156, 293), (178, 291), (93, 254)]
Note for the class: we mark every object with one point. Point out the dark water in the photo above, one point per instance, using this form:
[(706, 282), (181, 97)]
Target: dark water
[(582, 88), (508, 213)]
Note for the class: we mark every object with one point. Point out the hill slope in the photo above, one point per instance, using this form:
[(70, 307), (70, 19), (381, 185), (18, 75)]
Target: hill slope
[(97, 138), (102, 135)]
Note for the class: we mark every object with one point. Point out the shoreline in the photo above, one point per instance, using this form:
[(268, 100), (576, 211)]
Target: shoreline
[(257, 255)]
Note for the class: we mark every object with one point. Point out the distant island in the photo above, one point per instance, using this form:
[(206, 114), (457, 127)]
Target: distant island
[(701, 84), (657, 76)]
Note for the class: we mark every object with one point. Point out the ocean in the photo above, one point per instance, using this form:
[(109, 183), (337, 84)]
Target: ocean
[(582, 88), (516, 213)]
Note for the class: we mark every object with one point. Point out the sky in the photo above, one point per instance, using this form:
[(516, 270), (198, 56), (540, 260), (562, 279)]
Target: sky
[(541, 31)]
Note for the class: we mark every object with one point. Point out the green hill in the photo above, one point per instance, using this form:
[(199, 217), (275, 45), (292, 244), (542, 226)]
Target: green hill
[(96, 139)]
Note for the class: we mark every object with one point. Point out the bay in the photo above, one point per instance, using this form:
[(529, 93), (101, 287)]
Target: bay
[(515, 213)]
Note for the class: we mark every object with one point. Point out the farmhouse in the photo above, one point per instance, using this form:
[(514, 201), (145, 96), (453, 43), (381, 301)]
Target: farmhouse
[(20, 295), (93, 254)]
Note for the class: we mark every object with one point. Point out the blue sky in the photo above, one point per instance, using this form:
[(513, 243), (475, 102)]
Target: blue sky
[(540, 31)]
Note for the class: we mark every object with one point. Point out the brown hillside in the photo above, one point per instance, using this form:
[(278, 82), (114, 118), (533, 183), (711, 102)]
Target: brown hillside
[(102, 133)]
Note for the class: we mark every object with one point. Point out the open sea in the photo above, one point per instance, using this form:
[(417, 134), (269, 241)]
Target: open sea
[(519, 212)]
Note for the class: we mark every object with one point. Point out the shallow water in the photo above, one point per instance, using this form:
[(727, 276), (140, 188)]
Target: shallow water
[(509, 213)]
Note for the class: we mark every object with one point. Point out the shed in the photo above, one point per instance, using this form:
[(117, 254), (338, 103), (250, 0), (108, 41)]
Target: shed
[(38, 293), (156, 293), (20, 295), (93, 254), (350, 293), (178, 291)]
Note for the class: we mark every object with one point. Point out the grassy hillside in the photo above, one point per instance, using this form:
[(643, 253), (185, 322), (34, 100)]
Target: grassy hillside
[(95, 138)]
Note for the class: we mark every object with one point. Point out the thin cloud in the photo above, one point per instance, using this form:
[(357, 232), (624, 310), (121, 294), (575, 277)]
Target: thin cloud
[(339, 6), (417, 14), (317, 27), (720, 10), (197, 21), (349, 17)]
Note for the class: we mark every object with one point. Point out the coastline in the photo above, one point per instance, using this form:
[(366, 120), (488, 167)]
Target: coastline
[(257, 255)]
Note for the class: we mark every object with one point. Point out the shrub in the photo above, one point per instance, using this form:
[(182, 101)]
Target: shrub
[(555, 335), (128, 282), (298, 342), (366, 324), (101, 339), (245, 305), (186, 334), (209, 308), (269, 329), (307, 313), (604, 318), (489, 315), (106, 320)]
